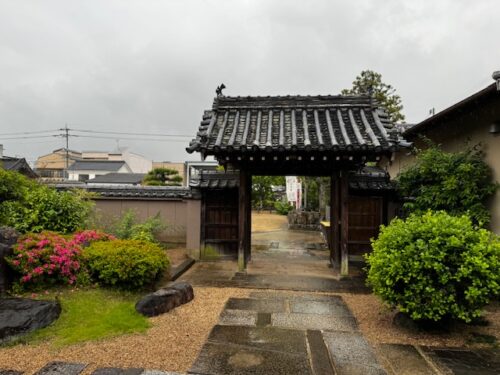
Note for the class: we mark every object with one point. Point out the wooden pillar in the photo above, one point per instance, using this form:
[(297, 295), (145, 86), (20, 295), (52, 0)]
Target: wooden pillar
[(248, 221), (344, 222), (334, 221), (242, 221)]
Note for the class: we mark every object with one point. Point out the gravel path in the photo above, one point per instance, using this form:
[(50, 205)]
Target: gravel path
[(172, 343)]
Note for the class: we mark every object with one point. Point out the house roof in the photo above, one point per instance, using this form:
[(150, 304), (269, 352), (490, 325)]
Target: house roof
[(367, 178), (97, 165), (118, 178), (212, 179), (464, 106), (310, 123), (150, 192), (371, 178), (17, 164)]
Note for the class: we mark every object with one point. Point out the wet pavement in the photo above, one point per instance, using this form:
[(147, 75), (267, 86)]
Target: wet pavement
[(275, 333), (281, 260)]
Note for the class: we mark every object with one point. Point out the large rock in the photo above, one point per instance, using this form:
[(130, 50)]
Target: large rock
[(8, 236), (165, 299), (19, 316)]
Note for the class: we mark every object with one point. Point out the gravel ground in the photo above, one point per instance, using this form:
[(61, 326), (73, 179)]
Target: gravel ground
[(175, 338), (171, 344), (375, 321), (266, 222)]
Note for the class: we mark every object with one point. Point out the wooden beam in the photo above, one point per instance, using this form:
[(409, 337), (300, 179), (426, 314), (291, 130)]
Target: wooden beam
[(242, 219), (334, 221), (344, 222)]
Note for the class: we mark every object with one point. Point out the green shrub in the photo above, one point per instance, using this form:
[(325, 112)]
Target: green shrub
[(42, 208), (435, 266), (128, 227), (459, 183), (125, 263), (283, 208)]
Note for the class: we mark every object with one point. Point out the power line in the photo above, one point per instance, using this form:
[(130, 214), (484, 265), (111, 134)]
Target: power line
[(127, 138), (31, 132), (123, 133), (32, 137)]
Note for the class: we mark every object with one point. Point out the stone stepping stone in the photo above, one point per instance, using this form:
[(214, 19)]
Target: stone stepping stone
[(320, 307), (404, 360), (260, 305), (465, 362), (265, 338), (216, 359), (351, 354), (314, 321), (61, 368), (238, 318), (320, 358)]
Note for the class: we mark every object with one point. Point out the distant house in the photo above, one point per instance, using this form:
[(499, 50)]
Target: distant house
[(51, 167), (16, 164), (137, 163), (118, 178), (473, 120), (84, 170)]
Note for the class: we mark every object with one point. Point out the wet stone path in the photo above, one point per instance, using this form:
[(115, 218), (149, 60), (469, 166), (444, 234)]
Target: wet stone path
[(273, 333)]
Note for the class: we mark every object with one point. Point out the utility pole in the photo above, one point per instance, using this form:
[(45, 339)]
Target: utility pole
[(66, 135)]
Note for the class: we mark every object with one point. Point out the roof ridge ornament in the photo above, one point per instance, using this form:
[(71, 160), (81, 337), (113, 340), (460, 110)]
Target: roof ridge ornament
[(496, 77), (219, 89)]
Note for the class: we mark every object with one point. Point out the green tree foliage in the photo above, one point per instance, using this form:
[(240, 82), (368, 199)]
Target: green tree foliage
[(13, 185), (371, 82), (31, 207), (163, 177), (435, 266), (125, 263), (262, 193), (129, 227), (458, 183)]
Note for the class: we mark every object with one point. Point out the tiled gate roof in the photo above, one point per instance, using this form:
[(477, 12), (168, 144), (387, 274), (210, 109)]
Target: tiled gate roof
[(280, 123)]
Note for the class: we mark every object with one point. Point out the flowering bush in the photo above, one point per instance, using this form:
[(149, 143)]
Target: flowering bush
[(86, 237), (46, 258)]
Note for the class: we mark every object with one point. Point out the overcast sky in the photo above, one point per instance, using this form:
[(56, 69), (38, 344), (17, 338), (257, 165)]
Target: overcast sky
[(152, 66)]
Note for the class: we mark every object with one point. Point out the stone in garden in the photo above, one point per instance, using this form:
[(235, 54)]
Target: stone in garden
[(61, 368), (186, 290), (8, 236), (19, 316), (165, 299)]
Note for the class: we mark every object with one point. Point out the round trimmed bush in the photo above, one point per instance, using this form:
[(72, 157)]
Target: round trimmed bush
[(125, 263), (435, 266)]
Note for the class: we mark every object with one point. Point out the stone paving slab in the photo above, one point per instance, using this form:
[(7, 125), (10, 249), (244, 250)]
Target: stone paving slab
[(61, 368), (320, 359), (217, 359), (319, 307), (464, 362), (260, 305), (238, 318), (265, 338), (404, 360), (314, 321), (299, 283), (351, 354), (297, 297)]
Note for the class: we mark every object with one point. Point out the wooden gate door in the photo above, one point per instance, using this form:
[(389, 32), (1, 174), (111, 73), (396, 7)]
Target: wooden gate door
[(219, 237), (365, 217)]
